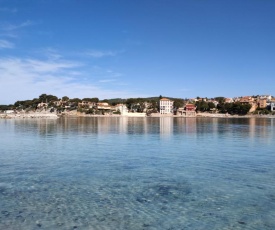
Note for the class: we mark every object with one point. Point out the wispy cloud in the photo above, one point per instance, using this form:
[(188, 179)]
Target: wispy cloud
[(49, 66), (10, 27), (107, 80), (22, 79), (12, 30), (6, 44), (8, 10), (100, 54), (50, 53)]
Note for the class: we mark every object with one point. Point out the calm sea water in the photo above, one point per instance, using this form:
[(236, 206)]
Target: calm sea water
[(137, 173)]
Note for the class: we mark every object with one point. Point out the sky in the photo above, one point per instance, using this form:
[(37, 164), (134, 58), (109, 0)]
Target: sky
[(136, 48)]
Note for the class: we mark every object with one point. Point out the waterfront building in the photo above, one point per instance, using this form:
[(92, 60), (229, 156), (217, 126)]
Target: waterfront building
[(165, 106), (272, 105), (87, 104), (190, 110), (103, 108), (122, 109)]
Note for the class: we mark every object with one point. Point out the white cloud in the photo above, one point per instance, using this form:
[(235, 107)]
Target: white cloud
[(50, 53), (6, 44), (39, 66), (23, 79), (8, 10), (107, 80), (12, 30), (11, 27), (99, 54)]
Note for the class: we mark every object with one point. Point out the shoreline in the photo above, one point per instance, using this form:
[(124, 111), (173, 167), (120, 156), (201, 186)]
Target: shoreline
[(136, 115), (29, 116)]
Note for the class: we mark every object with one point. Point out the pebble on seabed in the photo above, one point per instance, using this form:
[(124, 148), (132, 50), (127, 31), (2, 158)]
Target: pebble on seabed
[(38, 223)]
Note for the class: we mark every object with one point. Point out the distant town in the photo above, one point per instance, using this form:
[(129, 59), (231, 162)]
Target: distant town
[(153, 106)]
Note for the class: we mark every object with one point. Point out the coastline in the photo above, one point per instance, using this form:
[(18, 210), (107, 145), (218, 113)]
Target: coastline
[(29, 115), (37, 115)]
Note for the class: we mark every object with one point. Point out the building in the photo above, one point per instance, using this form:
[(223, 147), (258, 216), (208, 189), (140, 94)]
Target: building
[(165, 106), (272, 105), (9, 111), (267, 97), (103, 107), (246, 100), (190, 110), (228, 100), (87, 104), (122, 109), (262, 104), (214, 102)]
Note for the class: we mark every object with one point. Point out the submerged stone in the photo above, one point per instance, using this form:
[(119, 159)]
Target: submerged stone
[(241, 222), (5, 213), (38, 224), (167, 191)]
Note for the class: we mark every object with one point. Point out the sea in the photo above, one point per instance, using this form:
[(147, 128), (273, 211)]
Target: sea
[(145, 173)]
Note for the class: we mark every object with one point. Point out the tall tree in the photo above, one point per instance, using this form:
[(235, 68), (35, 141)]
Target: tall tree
[(65, 98)]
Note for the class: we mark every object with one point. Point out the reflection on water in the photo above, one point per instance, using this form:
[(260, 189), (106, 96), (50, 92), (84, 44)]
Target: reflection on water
[(137, 173), (166, 126), (128, 125)]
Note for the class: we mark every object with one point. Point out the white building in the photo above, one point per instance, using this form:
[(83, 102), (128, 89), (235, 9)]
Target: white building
[(165, 106), (122, 108), (9, 111), (272, 105), (267, 97)]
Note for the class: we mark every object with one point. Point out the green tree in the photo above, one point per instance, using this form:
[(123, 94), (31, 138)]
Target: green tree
[(202, 106), (94, 99), (6, 107), (65, 98), (234, 108), (211, 105), (221, 100), (43, 97), (76, 100), (47, 98), (178, 103)]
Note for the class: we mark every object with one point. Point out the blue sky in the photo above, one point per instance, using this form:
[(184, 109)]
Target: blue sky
[(136, 48)]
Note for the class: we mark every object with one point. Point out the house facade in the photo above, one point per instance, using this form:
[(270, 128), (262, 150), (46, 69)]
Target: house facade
[(267, 97), (103, 106), (190, 110), (122, 109), (87, 104), (165, 106), (262, 103), (272, 106), (246, 100), (228, 100)]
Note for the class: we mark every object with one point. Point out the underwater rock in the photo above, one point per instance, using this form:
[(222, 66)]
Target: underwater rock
[(142, 200), (4, 187), (168, 190), (241, 222), (272, 197), (38, 224), (5, 213)]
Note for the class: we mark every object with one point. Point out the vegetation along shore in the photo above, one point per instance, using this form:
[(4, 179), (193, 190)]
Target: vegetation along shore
[(49, 106)]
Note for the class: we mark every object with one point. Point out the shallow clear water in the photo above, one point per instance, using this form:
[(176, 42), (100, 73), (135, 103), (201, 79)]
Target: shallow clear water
[(137, 173)]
